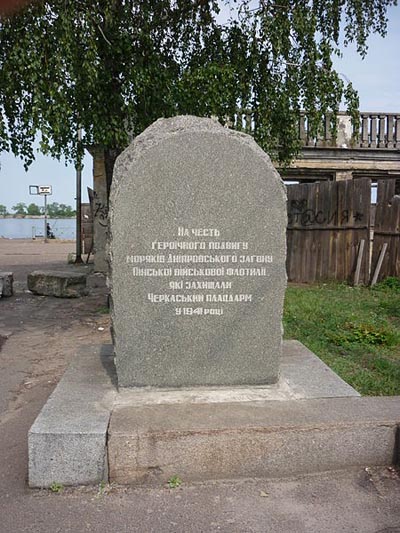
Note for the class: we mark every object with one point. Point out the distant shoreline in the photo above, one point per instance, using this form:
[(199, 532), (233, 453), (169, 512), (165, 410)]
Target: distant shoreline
[(36, 240), (36, 217), (32, 227)]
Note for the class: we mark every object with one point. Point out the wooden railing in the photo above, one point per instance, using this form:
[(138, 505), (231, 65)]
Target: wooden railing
[(374, 131)]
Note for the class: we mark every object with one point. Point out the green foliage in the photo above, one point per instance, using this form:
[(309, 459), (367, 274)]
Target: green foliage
[(366, 333), (116, 66), (391, 282), (174, 482), (66, 211), (33, 209), (20, 209), (356, 331), (3, 210), (103, 310), (56, 487), (52, 209), (56, 210)]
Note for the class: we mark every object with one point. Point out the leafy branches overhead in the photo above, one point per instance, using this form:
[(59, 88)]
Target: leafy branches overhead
[(115, 66)]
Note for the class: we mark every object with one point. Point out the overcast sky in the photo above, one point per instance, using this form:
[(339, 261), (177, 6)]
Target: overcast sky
[(377, 80)]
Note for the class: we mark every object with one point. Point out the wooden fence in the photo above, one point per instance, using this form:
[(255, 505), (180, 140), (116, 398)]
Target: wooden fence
[(326, 223), (387, 230)]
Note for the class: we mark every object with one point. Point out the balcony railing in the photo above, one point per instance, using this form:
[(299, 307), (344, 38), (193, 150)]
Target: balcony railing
[(380, 130), (374, 131)]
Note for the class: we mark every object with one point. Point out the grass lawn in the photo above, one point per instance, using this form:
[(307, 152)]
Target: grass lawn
[(354, 330)]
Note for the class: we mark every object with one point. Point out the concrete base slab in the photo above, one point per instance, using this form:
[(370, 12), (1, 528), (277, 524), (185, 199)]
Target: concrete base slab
[(310, 421), (67, 442), (303, 375)]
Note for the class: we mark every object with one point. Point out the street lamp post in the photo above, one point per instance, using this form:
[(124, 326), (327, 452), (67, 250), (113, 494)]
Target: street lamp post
[(78, 167), (45, 218)]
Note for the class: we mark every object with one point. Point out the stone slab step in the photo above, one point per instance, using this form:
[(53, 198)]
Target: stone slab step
[(198, 442), (67, 443), (58, 283)]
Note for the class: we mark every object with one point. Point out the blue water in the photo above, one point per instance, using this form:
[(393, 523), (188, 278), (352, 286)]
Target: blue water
[(25, 228)]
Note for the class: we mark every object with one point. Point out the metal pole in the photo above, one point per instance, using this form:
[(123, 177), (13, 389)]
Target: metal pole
[(78, 167), (45, 218)]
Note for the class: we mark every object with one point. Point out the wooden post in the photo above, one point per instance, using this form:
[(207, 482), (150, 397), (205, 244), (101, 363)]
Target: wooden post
[(379, 264), (359, 262)]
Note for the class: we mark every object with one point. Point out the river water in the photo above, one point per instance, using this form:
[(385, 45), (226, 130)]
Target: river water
[(26, 228)]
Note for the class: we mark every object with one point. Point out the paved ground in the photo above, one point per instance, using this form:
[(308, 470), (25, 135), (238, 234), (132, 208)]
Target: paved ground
[(38, 336)]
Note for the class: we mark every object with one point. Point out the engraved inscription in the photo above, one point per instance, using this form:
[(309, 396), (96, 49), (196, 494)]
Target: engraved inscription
[(204, 262)]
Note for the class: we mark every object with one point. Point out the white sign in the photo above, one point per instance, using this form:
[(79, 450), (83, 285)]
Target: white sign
[(44, 189)]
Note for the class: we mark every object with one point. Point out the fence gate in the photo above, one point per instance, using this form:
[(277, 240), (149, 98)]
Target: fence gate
[(387, 229), (326, 223)]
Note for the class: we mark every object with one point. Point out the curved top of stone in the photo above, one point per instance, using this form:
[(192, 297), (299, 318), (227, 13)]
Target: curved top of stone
[(164, 128)]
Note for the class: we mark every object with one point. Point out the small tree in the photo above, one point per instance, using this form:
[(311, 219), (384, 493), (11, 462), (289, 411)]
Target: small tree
[(53, 209), (33, 209), (20, 209), (66, 211), (3, 210)]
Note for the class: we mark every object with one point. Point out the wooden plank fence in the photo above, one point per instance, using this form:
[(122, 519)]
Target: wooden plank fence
[(387, 229), (326, 223)]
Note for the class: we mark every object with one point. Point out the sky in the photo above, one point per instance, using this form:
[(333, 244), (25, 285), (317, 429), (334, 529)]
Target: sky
[(377, 79)]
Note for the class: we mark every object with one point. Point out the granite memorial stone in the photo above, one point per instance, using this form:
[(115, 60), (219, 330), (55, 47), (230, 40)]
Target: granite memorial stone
[(197, 258)]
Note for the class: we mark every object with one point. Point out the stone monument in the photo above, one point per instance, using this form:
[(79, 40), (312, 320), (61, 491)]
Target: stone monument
[(197, 258), (197, 255)]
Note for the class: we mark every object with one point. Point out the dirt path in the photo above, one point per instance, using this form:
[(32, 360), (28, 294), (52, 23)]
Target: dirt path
[(39, 335)]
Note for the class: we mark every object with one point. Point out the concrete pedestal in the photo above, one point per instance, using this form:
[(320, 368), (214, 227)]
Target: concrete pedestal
[(310, 421)]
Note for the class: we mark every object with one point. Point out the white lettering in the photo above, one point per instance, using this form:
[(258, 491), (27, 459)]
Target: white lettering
[(214, 272), (208, 285), (255, 259), (153, 272), (246, 271), (229, 298), (203, 232), (227, 245)]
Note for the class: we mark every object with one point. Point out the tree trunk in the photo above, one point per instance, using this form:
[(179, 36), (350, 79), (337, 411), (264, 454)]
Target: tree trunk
[(110, 156)]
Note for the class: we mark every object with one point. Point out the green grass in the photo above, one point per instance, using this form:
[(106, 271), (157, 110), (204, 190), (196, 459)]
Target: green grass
[(174, 482), (103, 310), (354, 330)]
